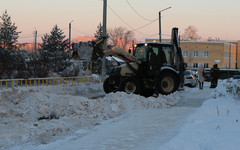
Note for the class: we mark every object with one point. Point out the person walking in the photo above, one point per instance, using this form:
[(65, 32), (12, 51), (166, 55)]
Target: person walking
[(215, 73), (201, 76)]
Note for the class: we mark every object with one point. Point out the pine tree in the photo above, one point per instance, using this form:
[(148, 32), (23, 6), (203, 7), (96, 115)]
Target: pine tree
[(8, 37), (99, 32), (53, 52), (8, 32)]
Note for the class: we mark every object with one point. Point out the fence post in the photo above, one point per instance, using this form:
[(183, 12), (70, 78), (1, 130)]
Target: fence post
[(6, 85), (1, 84), (25, 82), (12, 84), (16, 81)]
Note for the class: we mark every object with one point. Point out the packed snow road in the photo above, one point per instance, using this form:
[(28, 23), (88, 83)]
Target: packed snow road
[(138, 129)]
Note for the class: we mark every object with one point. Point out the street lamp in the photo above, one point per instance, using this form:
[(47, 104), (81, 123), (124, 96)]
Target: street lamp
[(160, 30)]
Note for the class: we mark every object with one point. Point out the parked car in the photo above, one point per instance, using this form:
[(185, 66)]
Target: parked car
[(195, 72), (207, 75), (189, 79)]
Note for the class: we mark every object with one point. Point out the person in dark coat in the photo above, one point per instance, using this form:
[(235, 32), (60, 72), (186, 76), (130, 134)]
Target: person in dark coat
[(215, 73)]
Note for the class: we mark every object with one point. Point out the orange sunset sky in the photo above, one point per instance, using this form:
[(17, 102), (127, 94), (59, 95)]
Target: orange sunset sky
[(215, 18)]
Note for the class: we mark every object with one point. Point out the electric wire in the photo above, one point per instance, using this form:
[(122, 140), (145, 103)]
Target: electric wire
[(82, 32), (145, 25), (133, 29), (137, 12)]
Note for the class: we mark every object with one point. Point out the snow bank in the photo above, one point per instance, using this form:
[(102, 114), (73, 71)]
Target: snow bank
[(215, 126), (45, 114)]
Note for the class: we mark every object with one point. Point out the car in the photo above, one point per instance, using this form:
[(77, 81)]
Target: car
[(189, 79), (207, 76)]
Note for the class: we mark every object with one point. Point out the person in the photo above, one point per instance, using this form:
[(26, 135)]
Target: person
[(201, 76), (215, 73)]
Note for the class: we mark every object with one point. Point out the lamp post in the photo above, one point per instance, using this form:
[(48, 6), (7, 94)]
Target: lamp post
[(160, 30)]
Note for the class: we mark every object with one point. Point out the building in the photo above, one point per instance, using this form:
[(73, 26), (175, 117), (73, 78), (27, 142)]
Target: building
[(208, 54), (225, 54), (237, 43), (28, 46)]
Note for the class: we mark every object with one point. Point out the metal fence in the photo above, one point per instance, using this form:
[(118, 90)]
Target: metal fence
[(34, 82)]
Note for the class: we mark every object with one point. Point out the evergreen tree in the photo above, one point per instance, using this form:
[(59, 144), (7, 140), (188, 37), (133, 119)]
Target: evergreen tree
[(53, 52), (9, 61), (8, 32), (99, 32)]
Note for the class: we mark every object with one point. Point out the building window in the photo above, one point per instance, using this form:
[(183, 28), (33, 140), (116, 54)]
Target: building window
[(206, 54), (195, 65), (205, 65), (195, 53), (185, 53)]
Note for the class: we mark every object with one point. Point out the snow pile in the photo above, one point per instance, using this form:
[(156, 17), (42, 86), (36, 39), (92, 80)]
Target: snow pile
[(75, 70), (45, 114), (216, 125)]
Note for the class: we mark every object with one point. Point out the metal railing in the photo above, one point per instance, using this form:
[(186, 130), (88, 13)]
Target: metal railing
[(34, 82)]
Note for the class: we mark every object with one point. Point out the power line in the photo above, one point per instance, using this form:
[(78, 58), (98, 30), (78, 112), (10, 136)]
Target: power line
[(81, 32), (145, 25), (25, 37), (137, 12), (133, 29)]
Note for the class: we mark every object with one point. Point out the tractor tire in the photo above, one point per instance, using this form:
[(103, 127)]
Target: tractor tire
[(108, 88), (130, 85), (167, 83)]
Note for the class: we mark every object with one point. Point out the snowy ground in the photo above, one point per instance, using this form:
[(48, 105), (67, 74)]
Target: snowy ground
[(72, 117)]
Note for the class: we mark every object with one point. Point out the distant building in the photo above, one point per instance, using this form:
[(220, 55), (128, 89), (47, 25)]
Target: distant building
[(225, 54), (28, 46)]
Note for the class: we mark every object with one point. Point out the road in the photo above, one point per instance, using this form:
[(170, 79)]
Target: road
[(139, 130)]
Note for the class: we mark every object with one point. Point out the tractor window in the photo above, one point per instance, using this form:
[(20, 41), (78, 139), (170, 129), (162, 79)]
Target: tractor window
[(168, 54), (140, 53)]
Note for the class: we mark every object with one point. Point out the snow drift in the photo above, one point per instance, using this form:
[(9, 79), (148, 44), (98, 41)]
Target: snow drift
[(45, 114)]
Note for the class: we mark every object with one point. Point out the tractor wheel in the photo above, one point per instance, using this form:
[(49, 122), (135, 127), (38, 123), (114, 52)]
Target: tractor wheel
[(167, 84), (130, 85), (108, 88)]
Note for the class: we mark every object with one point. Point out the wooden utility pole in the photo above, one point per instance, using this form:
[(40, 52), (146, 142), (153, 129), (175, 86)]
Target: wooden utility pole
[(70, 32), (104, 36), (35, 42)]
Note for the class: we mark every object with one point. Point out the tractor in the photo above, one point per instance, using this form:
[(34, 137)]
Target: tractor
[(154, 68)]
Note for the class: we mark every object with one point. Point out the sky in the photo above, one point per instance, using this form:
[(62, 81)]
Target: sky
[(215, 18)]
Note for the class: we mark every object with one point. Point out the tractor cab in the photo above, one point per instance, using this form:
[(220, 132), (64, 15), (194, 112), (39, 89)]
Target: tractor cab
[(155, 55)]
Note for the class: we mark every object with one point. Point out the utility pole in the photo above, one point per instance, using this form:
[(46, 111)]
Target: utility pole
[(236, 67), (35, 42), (104, 36), (160, 24), (160, 28), (229, 56), (70, 32)]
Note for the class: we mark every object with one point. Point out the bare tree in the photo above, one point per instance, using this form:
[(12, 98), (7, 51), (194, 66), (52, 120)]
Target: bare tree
[(120, 37), (191, 33)]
